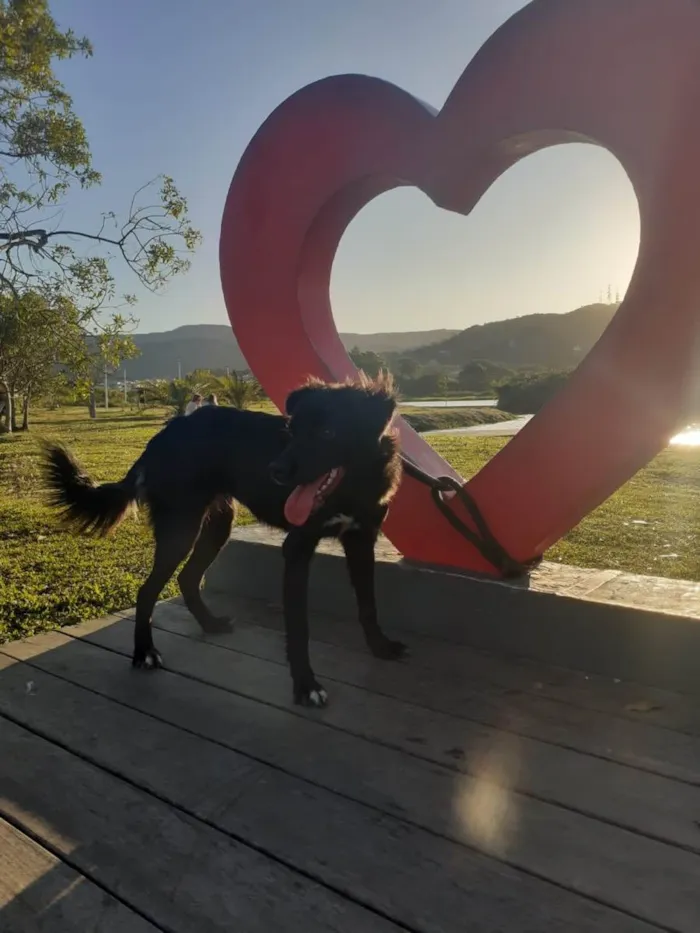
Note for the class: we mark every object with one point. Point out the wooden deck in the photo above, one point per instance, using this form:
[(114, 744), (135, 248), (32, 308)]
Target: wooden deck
[(455, 792)]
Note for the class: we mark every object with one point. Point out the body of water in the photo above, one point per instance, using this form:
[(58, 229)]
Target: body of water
[(688, 437), (500, 429), (455, 403)]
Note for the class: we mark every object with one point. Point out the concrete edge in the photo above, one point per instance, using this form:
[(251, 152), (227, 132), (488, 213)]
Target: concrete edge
[(616, 625)]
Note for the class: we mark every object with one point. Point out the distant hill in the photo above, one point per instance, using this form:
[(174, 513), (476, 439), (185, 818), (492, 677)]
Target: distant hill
[(551, 341), (398, 342), (213, 346)]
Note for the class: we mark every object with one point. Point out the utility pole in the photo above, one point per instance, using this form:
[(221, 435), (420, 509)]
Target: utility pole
[(179, 369), (126, 388), (106, 389)]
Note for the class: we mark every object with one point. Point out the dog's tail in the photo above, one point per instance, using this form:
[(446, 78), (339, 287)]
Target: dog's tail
[(85, 506)]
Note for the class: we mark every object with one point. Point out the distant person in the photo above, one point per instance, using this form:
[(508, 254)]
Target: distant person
[(194, 404), (212, 400)]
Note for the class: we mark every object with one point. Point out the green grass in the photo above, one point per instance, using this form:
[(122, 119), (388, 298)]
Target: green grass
[(652, 517), (437, 419), (49, 577)]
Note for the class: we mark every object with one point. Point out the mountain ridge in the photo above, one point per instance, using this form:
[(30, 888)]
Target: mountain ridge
[(549, 341), (533, 341), (213, 346)]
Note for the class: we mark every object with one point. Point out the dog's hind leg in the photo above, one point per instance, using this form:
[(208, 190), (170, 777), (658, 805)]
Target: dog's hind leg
[(174, 535), (216, 530), (358, 544)]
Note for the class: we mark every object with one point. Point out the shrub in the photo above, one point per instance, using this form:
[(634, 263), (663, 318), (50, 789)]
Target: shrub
[(526, 394)]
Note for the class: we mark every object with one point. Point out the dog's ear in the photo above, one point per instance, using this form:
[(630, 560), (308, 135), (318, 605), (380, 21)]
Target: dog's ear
[(384, 408), (383, 394), (295, 397)]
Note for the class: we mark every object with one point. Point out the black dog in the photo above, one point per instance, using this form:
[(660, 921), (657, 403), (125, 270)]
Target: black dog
[(327, 469)]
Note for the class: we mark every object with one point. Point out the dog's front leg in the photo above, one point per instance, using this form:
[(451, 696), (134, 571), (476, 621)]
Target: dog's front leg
[(358, 544), (298, 550)]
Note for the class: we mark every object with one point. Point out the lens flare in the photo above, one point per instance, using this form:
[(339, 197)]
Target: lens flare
[(688, 437)]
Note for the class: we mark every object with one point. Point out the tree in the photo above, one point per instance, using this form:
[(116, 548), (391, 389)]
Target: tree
[(240, 391), (527, 393), (36, 338), (42, 341), (151, 393), (480, 375), (44, 154), (407, 367), (9, 335), (427, 385), (101, 355), (368, 361), (179, 392), (204, 378), (442, 384)]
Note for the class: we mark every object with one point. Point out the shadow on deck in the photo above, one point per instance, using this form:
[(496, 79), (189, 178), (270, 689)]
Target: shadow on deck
[(460, 790)]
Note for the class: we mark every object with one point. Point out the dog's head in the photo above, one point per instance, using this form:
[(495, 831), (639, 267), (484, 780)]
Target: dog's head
[(331, 429)]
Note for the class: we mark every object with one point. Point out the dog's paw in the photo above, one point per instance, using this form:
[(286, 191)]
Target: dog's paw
[(217, 625), (310, 693), (388, 650), (147, 659)]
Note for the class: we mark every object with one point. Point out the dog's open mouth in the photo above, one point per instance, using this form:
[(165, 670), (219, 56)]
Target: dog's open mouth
[(307, 499)]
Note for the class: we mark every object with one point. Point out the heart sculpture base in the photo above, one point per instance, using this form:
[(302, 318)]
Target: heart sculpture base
[(622, 75)]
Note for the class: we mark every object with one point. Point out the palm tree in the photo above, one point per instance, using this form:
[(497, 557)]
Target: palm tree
[(239, 390), (178, 394)]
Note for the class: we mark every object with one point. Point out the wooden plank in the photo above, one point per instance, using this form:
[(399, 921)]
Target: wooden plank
[(671, 710), (166, 865), (596, 859), (614, 738), (482, 670), (645, 803), (613, 640), (424, 881), (41, 894)]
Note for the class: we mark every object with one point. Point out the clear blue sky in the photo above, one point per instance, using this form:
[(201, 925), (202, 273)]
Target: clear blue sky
[(180, 87)]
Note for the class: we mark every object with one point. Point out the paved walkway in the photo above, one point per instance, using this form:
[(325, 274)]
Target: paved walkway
[(500, 429)]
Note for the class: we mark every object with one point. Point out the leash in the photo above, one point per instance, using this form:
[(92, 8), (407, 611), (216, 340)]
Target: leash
[(483, 538)]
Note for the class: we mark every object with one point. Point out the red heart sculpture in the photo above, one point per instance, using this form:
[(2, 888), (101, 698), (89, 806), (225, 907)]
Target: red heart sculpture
[(623, 74)]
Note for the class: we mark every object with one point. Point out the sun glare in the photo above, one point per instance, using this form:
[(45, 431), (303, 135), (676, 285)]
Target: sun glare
[(688, 437)]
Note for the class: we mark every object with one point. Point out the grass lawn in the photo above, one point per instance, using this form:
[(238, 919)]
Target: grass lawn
[(438, 419), (649, 526), (49, 577)]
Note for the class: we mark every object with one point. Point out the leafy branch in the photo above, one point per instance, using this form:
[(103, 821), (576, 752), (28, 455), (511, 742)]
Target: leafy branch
[(44, 153)]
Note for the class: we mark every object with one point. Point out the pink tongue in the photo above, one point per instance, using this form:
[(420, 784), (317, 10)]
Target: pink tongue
[(299, 505)]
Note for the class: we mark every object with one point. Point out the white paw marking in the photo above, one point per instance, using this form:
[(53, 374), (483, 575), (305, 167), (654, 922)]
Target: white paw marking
[(342, 522), (318, 697)]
